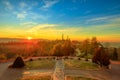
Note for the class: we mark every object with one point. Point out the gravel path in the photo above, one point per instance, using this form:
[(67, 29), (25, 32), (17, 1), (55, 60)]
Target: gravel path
[(59, 70)]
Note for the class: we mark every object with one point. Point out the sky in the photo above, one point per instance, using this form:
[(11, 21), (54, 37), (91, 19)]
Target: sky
[(49, 19)]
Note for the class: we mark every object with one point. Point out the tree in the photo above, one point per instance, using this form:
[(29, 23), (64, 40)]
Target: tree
[(57, 51), (18, 63), (85, 47), (63, 48), (93, 45), (101, 57), (96, 56), (115, 54), (67, 48)]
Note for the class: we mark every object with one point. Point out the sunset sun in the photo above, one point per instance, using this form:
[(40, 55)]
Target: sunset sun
[(29, 38)]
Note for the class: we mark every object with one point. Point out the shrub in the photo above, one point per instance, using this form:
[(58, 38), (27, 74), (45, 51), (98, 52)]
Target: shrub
[(2, 57), (115, 54), (18, 63), (101, 57)]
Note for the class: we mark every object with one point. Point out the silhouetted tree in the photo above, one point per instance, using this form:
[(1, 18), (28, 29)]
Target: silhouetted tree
[(93, 45), (115, 54), (101, 57), (96, 57), (18, 63)]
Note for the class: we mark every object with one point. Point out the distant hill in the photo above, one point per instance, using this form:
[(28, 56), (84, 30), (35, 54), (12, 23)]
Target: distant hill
[(10, 39), (111, 44), (18, 40)]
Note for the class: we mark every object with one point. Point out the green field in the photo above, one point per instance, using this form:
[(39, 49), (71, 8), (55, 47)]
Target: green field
[(40, 64), (78, 78), (36, 78), (80, 64)]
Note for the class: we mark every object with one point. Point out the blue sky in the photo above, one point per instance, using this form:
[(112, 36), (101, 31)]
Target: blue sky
[(79, 19)]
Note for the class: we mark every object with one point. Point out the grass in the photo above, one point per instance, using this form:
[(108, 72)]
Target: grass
[(78, 78), (40, 64), (80, 64), (36, 78)]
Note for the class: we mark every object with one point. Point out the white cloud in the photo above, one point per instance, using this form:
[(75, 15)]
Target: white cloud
[(24, 10), (49, 3), (97, 19), (36, 16), (22, 4), (101, 19), (21, 15), (31, 15), (51, 29), (26, 6), (41, 27), (28, 23), (95, 30), (8, 5), (34, 4)]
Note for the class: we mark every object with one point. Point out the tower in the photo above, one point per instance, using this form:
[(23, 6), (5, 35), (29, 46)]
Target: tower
[(62, 36)]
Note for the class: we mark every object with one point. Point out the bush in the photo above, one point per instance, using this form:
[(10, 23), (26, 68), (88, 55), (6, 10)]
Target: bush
[(115, 54), (2, 57), (18, 63), (101, 57)]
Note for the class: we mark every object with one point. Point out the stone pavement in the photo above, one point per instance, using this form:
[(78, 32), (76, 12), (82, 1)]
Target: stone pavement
[(59, 70)]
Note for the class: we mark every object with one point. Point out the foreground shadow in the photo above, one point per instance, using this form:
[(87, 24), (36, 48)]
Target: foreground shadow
[(12, 74)]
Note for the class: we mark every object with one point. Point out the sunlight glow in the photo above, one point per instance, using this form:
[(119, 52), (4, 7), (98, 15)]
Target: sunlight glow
[(29, 38)]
